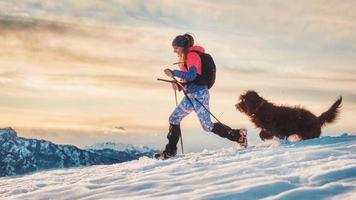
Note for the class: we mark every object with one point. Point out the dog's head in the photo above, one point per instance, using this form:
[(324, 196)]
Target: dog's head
[(249, 103)]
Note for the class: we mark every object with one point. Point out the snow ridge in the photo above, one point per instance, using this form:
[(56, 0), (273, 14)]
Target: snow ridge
[(323, 168)]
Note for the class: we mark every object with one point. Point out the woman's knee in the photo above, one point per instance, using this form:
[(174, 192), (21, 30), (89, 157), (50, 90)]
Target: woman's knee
[(173, 119)]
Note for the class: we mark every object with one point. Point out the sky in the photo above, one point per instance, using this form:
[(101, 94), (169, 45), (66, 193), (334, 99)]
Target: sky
[(81, 72)]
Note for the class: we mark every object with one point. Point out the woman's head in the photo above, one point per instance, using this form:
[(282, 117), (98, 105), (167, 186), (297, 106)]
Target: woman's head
[(182, 43)]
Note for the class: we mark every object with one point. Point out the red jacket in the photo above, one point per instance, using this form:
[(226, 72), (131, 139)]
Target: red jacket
[(193, 59)]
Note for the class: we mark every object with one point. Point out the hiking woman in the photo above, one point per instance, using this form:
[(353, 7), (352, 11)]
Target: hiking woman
[(192, 78)]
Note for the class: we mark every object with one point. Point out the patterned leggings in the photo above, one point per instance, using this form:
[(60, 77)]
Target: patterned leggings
[(185, 107)]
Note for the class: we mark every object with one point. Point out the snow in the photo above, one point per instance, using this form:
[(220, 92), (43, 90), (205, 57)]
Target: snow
[(118, 147), (323, 168), (7, 133)]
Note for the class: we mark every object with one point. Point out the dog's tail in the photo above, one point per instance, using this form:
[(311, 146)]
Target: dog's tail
[(331, 114)]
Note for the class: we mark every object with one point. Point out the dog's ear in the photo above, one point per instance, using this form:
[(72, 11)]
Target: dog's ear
[(254, 93)]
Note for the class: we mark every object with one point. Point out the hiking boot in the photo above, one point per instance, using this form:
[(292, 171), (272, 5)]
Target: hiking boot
[(173, 137), (236, 135), (163, 156), (243, 137)]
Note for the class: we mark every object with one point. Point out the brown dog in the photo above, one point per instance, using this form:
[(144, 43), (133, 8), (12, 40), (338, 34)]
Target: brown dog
[(283, 121)]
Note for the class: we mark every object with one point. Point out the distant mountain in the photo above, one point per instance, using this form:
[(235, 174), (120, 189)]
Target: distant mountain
[(120, 150), (20, 155), (118, 147)]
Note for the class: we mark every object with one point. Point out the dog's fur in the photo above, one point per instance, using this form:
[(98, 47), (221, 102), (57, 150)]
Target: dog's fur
[(283, 121)]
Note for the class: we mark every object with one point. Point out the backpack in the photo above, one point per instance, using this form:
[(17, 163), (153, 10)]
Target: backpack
[(208, 70)]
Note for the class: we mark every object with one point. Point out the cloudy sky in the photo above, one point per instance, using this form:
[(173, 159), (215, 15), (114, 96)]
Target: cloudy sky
[(80, 72)]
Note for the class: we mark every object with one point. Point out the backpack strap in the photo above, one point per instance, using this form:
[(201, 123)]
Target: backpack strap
[(200, 79)]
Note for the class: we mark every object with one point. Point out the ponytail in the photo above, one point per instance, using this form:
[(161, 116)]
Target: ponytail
[(190, 39), (190, 44)]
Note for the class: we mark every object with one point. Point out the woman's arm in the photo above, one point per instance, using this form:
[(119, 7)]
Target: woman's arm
[(188, 76)]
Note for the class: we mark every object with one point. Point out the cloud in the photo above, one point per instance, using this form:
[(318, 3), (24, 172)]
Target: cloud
[(9, 76), (96, 62), (276, 31), (13, 23)]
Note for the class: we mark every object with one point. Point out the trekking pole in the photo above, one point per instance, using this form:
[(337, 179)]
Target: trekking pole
[(186, 95), (165, 80), (181, 136), (175, 95)]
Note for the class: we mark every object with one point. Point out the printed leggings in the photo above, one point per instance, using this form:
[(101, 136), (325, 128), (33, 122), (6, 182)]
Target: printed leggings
[(185, 107)]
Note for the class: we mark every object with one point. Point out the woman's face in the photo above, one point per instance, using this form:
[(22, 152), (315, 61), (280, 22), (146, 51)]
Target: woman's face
[(178, 50)]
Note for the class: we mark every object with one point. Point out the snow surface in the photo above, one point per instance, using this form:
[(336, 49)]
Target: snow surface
[(323, 168)]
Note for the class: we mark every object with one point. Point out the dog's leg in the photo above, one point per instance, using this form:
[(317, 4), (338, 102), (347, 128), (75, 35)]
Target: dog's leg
[(264, 135)]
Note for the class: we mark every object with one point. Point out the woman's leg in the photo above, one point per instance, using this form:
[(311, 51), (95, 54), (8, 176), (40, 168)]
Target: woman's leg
[(204, 116), (220, 129), (182, 110), (174, 133)]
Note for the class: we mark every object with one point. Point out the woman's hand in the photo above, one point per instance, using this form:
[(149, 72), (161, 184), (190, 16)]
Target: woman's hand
[(175, 86), (169, 73)]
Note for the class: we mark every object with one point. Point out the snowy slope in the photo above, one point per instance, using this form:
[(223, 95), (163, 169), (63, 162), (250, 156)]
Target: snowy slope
[(323, 168)]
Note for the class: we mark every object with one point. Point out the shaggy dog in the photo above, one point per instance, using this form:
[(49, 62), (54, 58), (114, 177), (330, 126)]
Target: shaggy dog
[(284, 121)]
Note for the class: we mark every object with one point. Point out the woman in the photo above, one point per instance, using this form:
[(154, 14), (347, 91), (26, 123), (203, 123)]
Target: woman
[(191, 75)]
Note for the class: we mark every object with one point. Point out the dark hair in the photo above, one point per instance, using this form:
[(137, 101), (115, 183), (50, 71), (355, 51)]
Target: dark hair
[(184, 41), (190, 39), (189, 44)]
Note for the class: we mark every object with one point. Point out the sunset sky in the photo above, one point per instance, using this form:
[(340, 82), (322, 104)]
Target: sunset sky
[(81, 72)]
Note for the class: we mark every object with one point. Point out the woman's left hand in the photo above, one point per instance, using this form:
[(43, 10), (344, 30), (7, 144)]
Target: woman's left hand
[(169, 73)]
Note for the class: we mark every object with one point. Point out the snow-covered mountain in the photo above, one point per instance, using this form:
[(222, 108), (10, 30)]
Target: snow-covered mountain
[(118, 147), (20, 155), (323, 168)]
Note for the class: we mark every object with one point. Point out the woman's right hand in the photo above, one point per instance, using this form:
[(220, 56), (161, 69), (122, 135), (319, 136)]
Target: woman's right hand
[(168, 72), (175, 86)]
